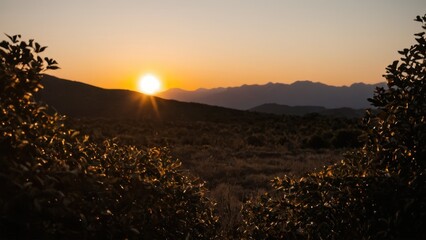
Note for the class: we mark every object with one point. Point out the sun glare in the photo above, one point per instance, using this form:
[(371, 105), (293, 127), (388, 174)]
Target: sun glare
[(149, 84)]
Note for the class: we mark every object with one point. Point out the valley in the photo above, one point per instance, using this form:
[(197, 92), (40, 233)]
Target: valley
[(237, 153), (237, 160)]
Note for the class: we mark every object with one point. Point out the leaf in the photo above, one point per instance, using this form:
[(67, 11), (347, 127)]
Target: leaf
[(134, 230), (394, 64), (4, 44), (421, 41), (418, 19), (419, 34), (53, 67), (8, 36), (37, 47)]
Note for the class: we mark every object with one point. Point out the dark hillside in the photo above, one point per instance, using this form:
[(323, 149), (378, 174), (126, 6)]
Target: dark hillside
[(77, 99)]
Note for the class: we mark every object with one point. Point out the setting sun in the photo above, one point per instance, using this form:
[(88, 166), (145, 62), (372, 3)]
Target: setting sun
[(149, 84)]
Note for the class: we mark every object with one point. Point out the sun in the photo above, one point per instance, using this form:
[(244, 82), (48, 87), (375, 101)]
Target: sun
[(149, 84)]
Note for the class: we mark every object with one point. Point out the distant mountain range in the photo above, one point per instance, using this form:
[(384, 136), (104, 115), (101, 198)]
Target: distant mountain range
[(78, 99), (300, 93), (303, 110)]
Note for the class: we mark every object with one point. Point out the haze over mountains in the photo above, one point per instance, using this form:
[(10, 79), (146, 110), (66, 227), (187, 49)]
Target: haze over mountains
[(299, 93)]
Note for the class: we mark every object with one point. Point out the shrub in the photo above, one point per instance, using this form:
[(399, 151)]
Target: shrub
[(256, 140), (317, 141), (347, 138), (377, 192), (58, 184)]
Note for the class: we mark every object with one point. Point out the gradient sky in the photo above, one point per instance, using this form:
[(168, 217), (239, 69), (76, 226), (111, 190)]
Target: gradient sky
[(216, 43)]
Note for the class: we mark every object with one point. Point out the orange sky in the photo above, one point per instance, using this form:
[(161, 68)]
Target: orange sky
[(218, 43)]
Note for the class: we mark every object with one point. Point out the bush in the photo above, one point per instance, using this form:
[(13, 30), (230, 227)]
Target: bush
[(317, 141), (347, 138), (377, 192), (58, 184)]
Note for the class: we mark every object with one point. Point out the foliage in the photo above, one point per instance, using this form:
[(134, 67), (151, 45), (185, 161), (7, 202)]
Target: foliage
[(58, 184), (377, 192), (347, 138), (317, 141), (254, 140), (220, 154)]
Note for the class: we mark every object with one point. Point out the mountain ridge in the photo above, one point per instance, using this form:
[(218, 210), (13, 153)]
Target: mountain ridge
[(298, 93), (81, 100)]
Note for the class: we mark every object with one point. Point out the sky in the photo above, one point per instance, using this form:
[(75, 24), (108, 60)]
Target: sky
[(192, 44)]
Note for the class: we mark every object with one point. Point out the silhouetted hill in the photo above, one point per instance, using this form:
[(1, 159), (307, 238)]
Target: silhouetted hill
[(278, 109), (77, 99), (300, 93), (188, 96)]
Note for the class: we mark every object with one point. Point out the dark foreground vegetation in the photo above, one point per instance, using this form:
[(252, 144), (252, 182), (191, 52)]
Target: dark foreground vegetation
[(236, 159), (59, 183)]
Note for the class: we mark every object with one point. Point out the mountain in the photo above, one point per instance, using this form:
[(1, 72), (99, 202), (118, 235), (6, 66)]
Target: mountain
[(303, 110), (188, 96), (300, 93), (78, 99)]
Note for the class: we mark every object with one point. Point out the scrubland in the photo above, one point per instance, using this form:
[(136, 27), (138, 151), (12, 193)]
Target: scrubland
[(237, 160)]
